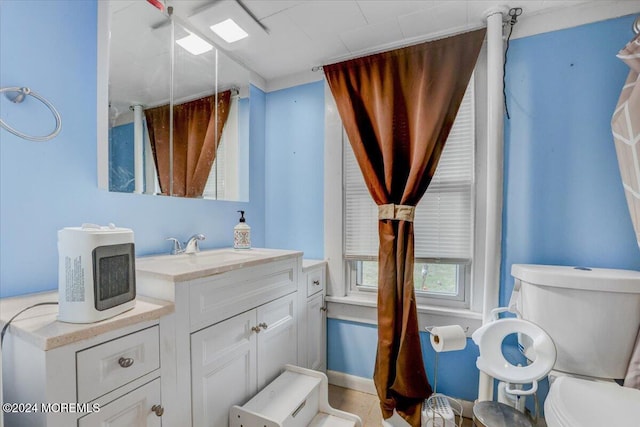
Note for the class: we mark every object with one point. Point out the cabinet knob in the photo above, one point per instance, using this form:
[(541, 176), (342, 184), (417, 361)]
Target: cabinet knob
[(263, 325), (255, 329), (125, 362), (316, 282), (158, 410), (323, 308)]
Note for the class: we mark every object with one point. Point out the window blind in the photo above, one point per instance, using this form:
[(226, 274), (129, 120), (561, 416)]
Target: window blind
[(218, 182), (443, 223)]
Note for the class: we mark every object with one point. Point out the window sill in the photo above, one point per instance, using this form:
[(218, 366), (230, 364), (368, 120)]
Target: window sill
[(362, 309)]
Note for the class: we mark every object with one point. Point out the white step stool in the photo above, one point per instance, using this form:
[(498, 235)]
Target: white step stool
[(297, 398)]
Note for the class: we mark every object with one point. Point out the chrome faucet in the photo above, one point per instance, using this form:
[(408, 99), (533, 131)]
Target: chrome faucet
[(177, 246), (192, 246)]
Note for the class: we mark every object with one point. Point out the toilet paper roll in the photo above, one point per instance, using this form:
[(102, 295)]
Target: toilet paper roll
[(448, 338)]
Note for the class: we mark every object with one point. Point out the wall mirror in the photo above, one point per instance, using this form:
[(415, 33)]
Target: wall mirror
[(177, 108)]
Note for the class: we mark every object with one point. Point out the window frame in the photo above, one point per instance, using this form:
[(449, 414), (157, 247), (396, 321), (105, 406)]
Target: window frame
[(464, 266), (460, 300), (361, 306)]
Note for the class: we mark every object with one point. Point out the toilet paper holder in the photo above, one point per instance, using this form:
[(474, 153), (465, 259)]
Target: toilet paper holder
[(434, 342), (438, 409), (430, 328)]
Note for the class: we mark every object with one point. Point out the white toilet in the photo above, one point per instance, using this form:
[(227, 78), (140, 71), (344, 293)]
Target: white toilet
[(593, 317)]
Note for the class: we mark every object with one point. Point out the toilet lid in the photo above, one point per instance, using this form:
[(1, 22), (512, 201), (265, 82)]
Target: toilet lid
[(491, 360), (574, 402)]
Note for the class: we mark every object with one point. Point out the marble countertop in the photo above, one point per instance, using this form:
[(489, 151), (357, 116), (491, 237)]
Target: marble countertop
[(40, 327), (183, 267)]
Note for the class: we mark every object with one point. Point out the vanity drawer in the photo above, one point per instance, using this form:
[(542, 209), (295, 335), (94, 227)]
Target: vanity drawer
[(137, 408), (315, 281), (222, 296), (107, 366)]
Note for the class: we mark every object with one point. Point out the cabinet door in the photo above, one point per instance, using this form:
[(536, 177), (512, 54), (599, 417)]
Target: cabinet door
[(277, 340), (132, 409), (223, 369), (316, 333)]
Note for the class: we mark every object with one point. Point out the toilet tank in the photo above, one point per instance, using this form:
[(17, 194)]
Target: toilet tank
[(592, 315)]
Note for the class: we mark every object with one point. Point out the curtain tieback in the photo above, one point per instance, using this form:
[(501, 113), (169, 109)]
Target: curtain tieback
[(396, 212)]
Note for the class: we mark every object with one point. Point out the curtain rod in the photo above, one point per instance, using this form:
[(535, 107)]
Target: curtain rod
[(399, 45), (235, 91)]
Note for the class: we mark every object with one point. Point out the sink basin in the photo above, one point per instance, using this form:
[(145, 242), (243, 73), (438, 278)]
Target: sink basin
[(213, 258), (205, 263)]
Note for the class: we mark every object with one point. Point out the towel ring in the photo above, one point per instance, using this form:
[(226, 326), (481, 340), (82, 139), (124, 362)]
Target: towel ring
[(18, 97)]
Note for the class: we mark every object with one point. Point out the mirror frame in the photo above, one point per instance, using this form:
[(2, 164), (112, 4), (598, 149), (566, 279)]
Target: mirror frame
[(102, 94)]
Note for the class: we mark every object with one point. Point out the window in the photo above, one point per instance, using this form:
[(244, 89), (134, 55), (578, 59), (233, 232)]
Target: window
[(443, 221)]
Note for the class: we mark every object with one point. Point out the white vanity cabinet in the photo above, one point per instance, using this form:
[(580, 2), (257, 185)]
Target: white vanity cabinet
[(313, 342), (106, 373), (235, 358), (236, 325), (132, 409)]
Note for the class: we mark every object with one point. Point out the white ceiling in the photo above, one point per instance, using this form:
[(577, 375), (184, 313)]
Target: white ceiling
[(299, 35), (306, 33)]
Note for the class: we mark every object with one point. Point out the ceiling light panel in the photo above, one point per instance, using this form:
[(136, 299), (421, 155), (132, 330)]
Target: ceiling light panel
[(203, 19), (229, 31), (194, 44)]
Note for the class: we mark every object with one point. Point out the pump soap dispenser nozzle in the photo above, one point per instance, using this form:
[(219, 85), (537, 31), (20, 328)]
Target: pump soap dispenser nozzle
[(242, 234)]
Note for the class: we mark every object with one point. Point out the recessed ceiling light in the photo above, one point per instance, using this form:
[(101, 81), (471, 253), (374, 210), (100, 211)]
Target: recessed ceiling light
[(229, 31), (194, 44)]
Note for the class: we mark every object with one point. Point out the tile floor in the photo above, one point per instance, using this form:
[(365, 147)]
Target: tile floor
[(363, 404)]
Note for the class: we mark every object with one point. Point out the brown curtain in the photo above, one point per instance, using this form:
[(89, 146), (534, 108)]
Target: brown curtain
[(397, 109), (196, 135)]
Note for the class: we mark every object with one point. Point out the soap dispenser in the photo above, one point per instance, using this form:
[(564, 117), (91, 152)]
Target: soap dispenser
[(242, 234)]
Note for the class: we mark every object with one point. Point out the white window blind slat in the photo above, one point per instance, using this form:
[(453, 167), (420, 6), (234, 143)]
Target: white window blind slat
[(216, 185), (443, 222)]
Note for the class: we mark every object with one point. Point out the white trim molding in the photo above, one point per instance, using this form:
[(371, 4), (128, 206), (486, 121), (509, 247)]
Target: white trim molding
[(580, 14), (102, 94), (340, 379), (333, 216), (364, 310)]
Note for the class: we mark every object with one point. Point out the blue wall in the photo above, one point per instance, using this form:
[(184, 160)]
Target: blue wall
[(351, 348), (47, 186), (563, 198), (295, 169)]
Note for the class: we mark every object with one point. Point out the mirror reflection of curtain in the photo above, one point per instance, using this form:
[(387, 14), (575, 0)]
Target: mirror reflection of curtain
[(397, 109), (196, 135), (625, 125)]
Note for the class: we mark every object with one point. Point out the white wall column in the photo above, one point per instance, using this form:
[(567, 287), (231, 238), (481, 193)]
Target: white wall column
[(138, 149), (495, 154)]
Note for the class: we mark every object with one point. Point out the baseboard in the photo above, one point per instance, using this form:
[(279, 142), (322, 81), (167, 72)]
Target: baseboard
[(365, 385), (353, 382)]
